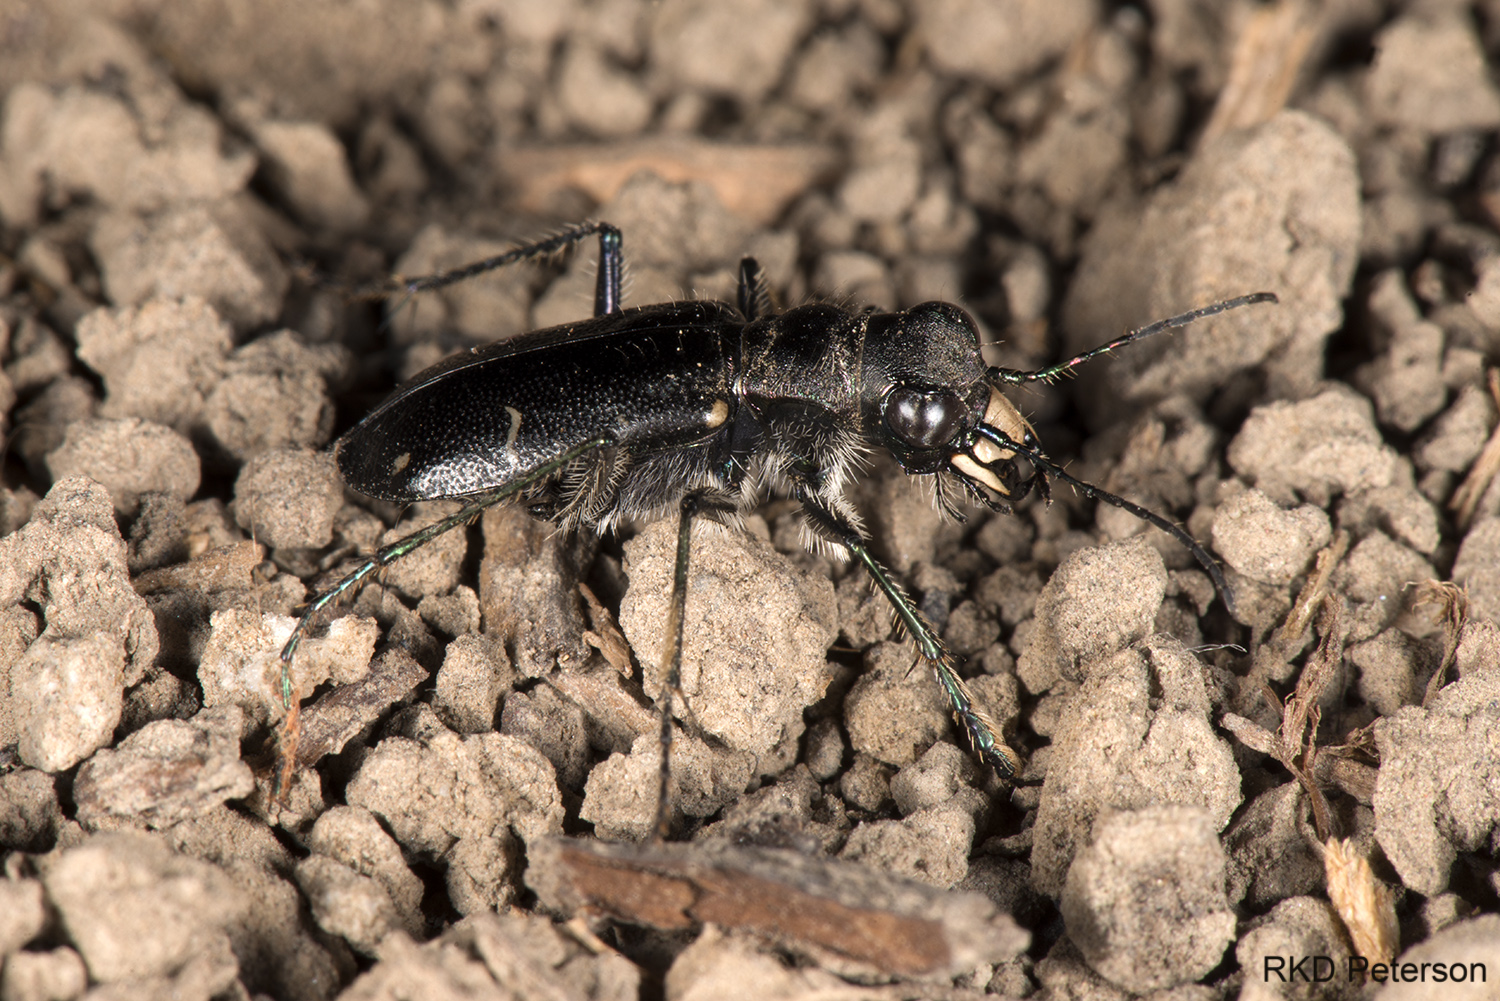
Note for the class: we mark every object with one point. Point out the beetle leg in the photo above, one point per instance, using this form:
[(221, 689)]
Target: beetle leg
[(384, 557), (941, 488), (606, 285), (982, 730), (671, 663), (694, 504), (611, 270), (751, 295)]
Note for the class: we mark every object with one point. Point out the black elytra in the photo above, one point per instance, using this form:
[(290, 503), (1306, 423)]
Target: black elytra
[(702, 407)]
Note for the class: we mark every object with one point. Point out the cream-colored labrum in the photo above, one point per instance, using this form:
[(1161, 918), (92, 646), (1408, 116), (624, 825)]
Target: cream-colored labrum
[(1003, 416)]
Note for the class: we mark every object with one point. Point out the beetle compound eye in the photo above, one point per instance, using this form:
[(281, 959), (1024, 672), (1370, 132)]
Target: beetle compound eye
[(924, 418)]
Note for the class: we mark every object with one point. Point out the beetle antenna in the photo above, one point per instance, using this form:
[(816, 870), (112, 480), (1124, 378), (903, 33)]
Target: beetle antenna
[(1015, 377), (1047, 467)]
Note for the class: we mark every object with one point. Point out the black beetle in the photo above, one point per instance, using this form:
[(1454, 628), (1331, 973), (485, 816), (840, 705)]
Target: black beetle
[(702, 406)]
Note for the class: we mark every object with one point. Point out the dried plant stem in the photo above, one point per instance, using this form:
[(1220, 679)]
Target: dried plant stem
[(1469, 493)]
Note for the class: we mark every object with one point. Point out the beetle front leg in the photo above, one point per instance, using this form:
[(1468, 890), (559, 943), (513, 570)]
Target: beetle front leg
[(982, 730)]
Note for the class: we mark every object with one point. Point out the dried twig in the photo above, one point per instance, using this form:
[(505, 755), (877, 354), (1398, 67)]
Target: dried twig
[(1283, 644), (1471, 491), (846, 916), (1267, 57), (1452, 601)]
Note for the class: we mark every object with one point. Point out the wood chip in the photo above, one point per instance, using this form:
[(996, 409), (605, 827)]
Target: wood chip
[(328, 724), (1267, 58), (227, 568), (1363, 902), (755, 182), (849, 918)]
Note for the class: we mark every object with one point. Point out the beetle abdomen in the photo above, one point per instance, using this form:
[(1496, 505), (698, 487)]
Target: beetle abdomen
[(481, 421)]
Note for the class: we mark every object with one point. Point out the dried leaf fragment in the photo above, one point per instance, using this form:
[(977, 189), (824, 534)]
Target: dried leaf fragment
[(1466, 498), (1362, 901), (328, 724)]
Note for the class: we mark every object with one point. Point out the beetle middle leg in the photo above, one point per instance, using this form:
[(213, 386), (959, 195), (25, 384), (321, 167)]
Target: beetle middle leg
[(982, 730), (694, 504)]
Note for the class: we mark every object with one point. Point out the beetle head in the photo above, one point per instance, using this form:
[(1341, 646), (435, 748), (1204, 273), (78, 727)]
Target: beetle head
[(931, 402)]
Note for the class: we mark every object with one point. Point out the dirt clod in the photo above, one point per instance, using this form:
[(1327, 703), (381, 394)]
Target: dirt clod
[(1145, 900), (130, 457), (750, 628)]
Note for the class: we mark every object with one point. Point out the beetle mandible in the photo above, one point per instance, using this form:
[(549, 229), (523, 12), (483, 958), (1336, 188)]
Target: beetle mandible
[(722, 403)]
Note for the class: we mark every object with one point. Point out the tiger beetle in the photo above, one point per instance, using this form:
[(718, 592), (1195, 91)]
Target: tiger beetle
[(701, 406)]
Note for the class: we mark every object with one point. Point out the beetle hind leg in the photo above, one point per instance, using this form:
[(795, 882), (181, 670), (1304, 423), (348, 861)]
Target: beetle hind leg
[(607, 298), (606, 286), (381, 558), (671, 665)]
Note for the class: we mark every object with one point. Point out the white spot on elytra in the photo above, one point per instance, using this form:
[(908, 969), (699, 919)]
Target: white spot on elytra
[(515, 429)]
